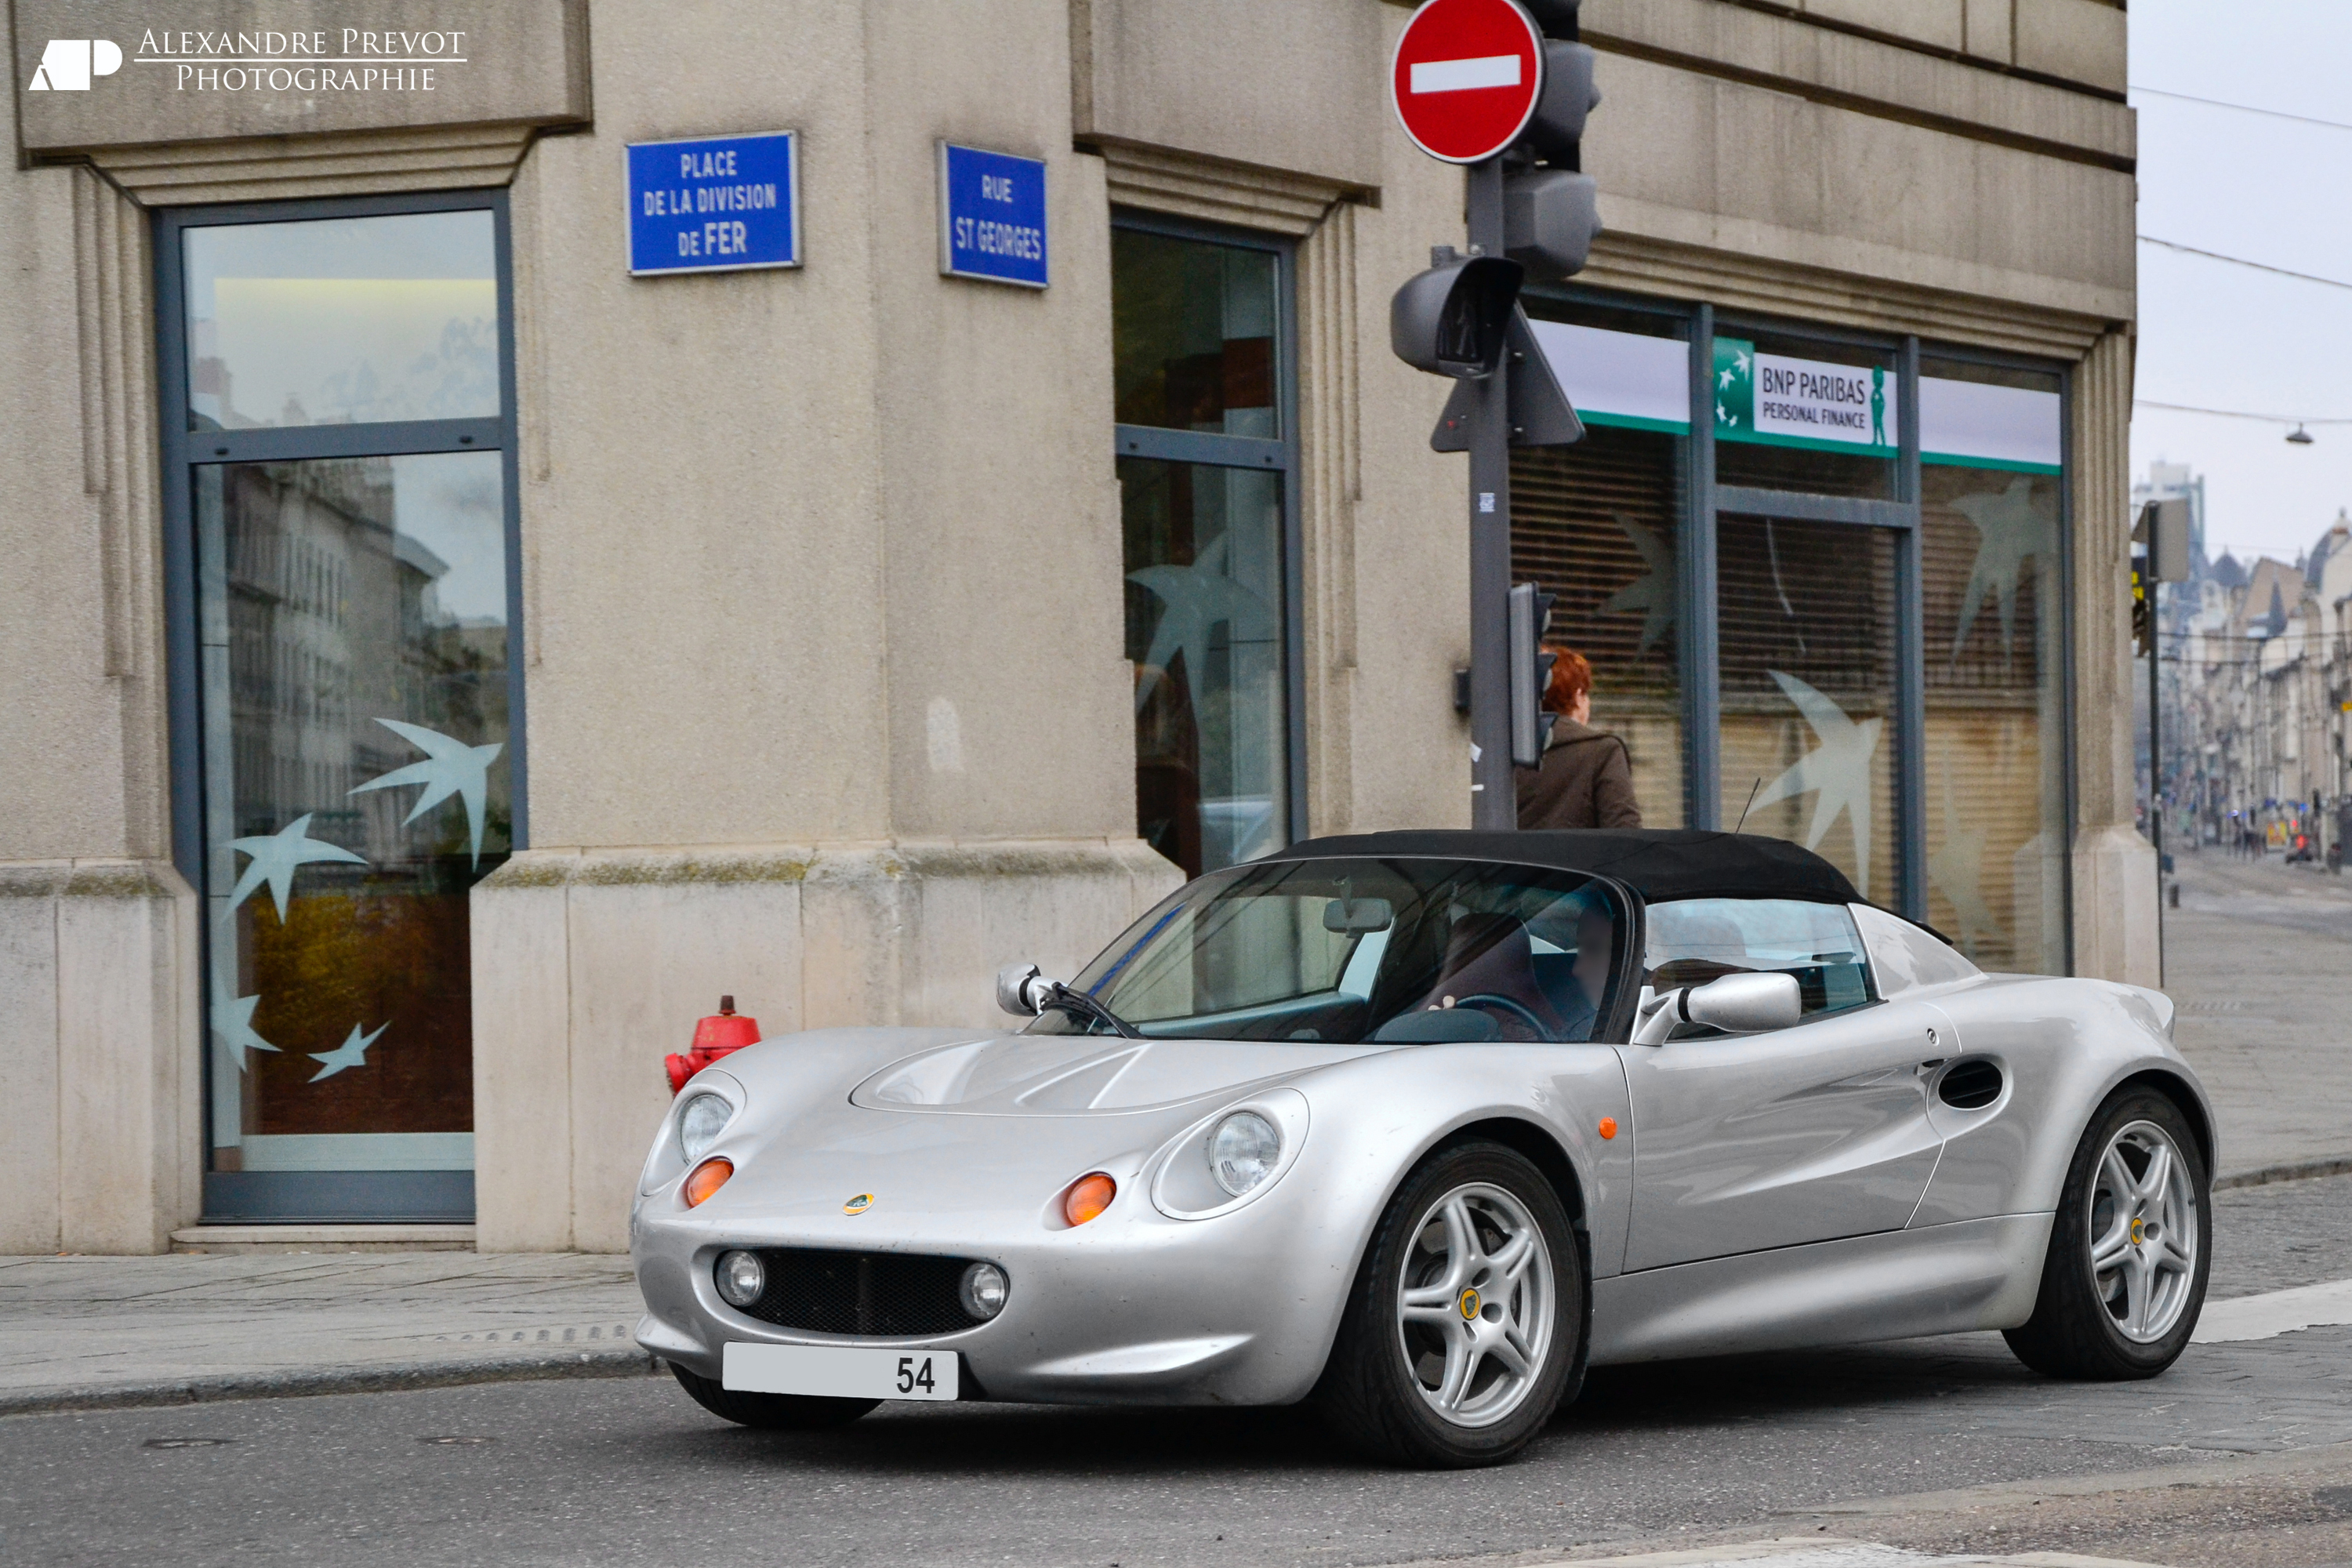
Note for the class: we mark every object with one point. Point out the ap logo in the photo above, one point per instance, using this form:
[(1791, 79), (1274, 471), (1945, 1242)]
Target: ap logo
[(67, 64)]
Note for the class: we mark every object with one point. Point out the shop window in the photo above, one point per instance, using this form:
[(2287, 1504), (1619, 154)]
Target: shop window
[(340, 477), (1598, 525), (1993, 621), (1207, 484), (1807, 624)]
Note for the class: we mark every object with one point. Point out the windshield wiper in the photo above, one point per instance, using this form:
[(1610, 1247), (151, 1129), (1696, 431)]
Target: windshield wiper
[(1086, 1006)]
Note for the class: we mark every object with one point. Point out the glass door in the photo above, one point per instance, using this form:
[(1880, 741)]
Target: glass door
[(344, 497)]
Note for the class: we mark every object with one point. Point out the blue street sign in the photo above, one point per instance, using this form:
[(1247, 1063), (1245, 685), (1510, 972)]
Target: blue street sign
[(716, 203), (992, 216)]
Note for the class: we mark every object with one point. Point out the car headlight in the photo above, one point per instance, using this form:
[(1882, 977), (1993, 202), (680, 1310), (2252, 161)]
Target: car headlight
[(983, 1291), (699, 1121), (1243, 1150), (742, 1278)]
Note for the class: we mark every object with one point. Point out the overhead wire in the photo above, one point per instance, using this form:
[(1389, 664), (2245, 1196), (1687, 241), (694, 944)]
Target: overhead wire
[(2241, 108)]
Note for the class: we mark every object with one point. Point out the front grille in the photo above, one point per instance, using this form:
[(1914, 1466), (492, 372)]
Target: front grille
[(880, 1293)]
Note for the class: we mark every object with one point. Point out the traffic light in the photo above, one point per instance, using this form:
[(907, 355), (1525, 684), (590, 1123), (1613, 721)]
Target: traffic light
[(1550, 208), (1530, 669), (1454, 320)]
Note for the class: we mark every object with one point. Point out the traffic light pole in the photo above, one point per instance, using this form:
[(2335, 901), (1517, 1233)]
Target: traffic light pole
[(1494, 800)]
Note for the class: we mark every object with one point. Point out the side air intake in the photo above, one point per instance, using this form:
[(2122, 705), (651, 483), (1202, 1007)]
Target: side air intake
[(1971, 1086)]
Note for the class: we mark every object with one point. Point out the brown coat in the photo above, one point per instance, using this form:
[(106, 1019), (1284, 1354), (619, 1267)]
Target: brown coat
[(1583, 781)]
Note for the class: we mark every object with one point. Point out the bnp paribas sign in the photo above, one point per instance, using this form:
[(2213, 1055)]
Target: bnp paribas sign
[(1776, 401), (94, 74)]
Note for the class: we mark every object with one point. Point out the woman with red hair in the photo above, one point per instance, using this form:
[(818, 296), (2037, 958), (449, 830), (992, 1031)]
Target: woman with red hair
[(1584, 779)]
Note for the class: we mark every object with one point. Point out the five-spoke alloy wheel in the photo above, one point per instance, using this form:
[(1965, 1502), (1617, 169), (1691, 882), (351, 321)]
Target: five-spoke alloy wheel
[(1465, 1326), (1474, 1304), (2125, 1273)]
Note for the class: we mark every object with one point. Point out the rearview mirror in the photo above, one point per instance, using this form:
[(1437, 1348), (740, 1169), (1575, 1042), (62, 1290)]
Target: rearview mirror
[(1745, 1004), (1345, 917)]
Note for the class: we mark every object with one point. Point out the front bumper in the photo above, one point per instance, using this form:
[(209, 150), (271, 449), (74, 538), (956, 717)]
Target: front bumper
[(1131, 1308)]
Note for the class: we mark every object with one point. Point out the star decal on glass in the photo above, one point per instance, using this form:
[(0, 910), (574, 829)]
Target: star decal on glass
[(1957, 868), (232, 1021), (2010, 528), (1652, 593), (1196, 598), (1836, 772), (274, 857), (451, 767), (351, 1052)]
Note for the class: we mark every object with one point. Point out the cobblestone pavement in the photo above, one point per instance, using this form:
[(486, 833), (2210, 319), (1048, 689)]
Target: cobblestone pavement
[(2258, 958)]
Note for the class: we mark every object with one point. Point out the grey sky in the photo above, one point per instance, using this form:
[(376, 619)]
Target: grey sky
[(2269, 190)]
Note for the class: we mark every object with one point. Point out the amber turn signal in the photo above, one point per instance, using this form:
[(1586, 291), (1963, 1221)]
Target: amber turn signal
[(1608, 1127), (1088, 1196), (707, 1179)]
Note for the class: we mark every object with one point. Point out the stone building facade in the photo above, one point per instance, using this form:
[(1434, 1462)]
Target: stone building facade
[(435, 663)]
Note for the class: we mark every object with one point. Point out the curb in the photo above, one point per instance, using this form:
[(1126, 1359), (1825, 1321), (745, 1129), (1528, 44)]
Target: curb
[(390, 1378), (2299, 1171)]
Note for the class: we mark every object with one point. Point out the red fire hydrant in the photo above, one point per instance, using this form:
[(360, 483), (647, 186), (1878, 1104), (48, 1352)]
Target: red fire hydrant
[(723, 1032)]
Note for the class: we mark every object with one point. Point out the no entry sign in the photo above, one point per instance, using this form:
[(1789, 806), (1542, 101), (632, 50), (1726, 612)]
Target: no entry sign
[(1466, 77)]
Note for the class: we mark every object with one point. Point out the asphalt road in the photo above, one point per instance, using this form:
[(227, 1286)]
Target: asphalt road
[(631, 1472)]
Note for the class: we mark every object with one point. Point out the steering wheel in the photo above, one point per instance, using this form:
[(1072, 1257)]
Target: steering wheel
[(1490, 999)]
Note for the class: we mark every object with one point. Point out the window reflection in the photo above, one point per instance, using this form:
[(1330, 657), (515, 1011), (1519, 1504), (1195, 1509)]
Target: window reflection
[(1204, 598), (1194, 334), (342, 321)]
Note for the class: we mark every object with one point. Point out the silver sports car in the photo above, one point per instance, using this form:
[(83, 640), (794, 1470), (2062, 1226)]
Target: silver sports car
[(1418, 1126)]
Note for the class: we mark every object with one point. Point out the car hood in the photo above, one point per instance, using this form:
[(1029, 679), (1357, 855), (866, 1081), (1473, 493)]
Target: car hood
[(1066, 1075)]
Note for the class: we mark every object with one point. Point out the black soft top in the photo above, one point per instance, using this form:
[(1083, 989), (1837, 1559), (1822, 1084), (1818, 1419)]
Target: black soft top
[(1659, 863)]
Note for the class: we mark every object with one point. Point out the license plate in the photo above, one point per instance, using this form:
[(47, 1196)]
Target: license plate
[(840, 1371)]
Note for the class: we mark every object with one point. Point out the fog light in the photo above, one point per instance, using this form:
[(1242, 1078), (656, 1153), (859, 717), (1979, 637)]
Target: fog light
[(983, 1291), (742, 1278)]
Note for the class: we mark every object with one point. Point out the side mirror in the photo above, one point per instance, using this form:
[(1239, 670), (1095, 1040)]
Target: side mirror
[(1021, 989), (1738, 1004), (1745, 1004)]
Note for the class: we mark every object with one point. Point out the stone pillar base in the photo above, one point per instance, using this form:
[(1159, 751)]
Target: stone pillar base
[(591, 965), (2114, 905), (99, 1068)]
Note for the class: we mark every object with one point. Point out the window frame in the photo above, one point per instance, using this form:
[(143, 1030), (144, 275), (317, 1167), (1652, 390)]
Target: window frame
[(321, 1196), (1280, 456)]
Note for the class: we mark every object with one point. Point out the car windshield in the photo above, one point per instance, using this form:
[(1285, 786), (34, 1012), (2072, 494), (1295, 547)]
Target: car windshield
[(1355, 949)]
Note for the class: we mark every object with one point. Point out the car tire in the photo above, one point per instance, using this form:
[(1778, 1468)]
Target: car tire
[(771, 1412), (1376, 1393), (2130, 1317)]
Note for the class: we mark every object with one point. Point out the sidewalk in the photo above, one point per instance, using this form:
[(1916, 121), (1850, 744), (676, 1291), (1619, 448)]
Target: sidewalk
[(105, 1332), (2258, 958)]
